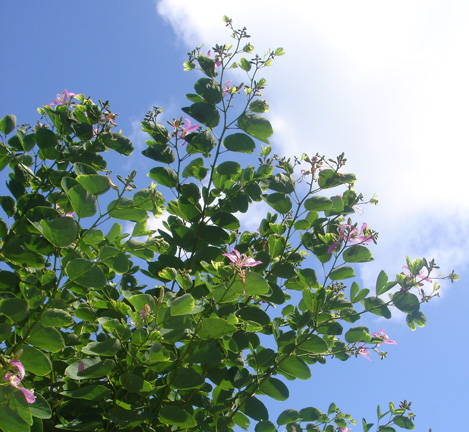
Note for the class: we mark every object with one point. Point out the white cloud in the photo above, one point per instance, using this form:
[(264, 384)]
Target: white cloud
[(384, 82)]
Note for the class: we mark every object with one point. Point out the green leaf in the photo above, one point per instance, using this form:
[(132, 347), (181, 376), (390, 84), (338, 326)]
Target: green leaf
[(203, 352), (186, 378), (403, 422), (195, 168), (328, 178), (416, 318), (89, 392), (56, 318), (40, 409), (406, 302), (7, 124), (61, 231), (358, 334), (239, 142), (228, 168), (318, 203), (117, 142), (251, 313), (207, 65), (312, 343), (125, 209), (46, 338), (114, 259), (209, 89), (357, 254), (86, 273), (182, 305), (15, 250), (204, 113), (107, 348), (265, 426), (254, 284), (160, 153), (92, 368), (164, 176), (175, 416), (377, 306), (135, 384), (256, 126), (386, 429), (244, 64), (83, 203), (45, 138), (310, 414), (255, 409), (214, 328), (278, 201), (288, 416), (259, 106), (202, 142), (94, 183), (282, 183), (35, 361), (15, 414), (341, 273), (294, 367), (241, 420), (14, 308), (381, 282), (274, 388)]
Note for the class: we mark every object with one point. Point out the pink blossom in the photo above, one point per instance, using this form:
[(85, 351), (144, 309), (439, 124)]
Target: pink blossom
[(63, 98), (226, 88), (62, 212), (364, 352), (186, 128), (81, 366), (344, 429), (421, 275), (217, 59), (241, 260), (350, 235), (15, 380), (385, 338)]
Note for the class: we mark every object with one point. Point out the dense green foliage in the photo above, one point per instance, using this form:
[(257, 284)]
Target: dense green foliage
[(123, 328)]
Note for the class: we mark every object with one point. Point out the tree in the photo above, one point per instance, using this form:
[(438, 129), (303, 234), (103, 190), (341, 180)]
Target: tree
[(169, 329)]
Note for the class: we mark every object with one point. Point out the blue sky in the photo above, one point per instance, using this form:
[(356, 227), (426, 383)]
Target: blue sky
[(386, 83)]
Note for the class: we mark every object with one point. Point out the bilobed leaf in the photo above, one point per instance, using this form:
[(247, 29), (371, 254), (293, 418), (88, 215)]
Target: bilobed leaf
[(288, 416), (14, 308), (160, 153), (89, 392), (94, 183), (282, 183), (274, 388), (358, 334), (278, 201), (7, 124), (377, 306), (125, 209), (209, 89), (214, 328), (255, 409), (239, 142), (92, 368), (357, 254), (312, 343), (341, 273), (135, 384), (406, 302), (203, 352), (265, 426), (15, 414), (35, 361), (403, 422), (207, 65), (175, 416), (61, 231), (254, 284), (256, 126), (117, 142), (86, 273), (293, 366), (56, 318), (186, 378), (46, 338), (182, 305), (204, 113), (45, 138), (310, 414), (83, 202), (164, 176)]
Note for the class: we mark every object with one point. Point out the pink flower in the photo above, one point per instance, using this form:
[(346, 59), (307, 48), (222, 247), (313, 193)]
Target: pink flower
[(241, 260), (385, 338), (62, 212), (421, 275), (186, 128), (364, 352), (62, 99), (226, 88), (217, 59), (344, 429), (350, 235), (15, 380)]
